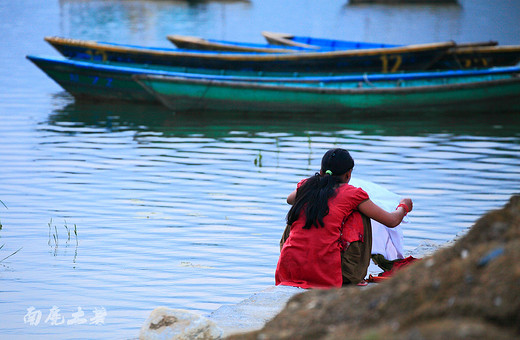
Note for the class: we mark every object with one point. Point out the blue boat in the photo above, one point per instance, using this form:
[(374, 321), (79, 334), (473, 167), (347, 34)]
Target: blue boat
[(286, 40), (386, 60), (196, 43), (461, 56)]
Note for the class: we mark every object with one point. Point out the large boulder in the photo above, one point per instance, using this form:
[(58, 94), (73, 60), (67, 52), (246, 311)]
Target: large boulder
[(467, 291)]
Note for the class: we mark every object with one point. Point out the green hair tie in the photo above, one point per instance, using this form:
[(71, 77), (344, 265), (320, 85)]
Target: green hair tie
[(328, 172)]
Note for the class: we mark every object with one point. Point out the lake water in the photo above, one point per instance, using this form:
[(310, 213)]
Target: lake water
[(120, 208)]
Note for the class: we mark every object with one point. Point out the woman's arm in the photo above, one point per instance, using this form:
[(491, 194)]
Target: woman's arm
[(390, 219)]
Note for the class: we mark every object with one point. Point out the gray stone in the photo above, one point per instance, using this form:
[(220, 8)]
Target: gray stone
[(177, 324)]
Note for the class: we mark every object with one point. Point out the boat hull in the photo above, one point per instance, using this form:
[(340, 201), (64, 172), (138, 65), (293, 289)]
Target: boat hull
[(84, 81), (182, 94), (112, 80), (478, 57), (386, 60)]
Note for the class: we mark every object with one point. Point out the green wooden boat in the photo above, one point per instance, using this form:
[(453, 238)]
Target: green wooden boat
[(386, 60), (423, 92), (113, 80)]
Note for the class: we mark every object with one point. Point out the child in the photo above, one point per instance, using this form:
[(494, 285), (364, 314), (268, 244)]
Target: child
[(330, 227)]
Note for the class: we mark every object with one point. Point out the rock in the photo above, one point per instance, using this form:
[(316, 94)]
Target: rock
[(177, 324), (466, 290), (248, 315)]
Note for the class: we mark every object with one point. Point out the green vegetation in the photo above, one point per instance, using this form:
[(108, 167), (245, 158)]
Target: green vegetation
[(55, 235), (258, 159), (6, 208), (54, 241), (8, 256)]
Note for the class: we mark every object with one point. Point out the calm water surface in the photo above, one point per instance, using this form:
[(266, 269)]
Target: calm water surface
[(186, 211)]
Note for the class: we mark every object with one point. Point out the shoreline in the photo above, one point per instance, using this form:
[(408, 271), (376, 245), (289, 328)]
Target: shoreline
[(466, 290), (250, 314)]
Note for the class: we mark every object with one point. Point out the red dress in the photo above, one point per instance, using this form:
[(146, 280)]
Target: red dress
[(310, 258)]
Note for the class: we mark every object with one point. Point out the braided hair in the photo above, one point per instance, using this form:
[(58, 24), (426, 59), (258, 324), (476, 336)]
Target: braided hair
[(313, 196)]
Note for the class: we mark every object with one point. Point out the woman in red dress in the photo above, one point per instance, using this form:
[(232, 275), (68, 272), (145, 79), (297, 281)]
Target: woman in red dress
[(324, 220)]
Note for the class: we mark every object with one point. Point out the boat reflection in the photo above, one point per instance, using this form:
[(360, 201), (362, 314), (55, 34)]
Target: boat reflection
[(137, 20), (119, 116)]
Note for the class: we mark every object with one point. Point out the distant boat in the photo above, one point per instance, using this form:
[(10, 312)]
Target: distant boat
[(386, 60), (455, 91), (460, 56), (196, 43)]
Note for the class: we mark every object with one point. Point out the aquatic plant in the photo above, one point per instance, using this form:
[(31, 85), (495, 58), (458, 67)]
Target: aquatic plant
[(76, 233), (258, 159), (54, 240), (68, 232), (6, 208), (8, 256)]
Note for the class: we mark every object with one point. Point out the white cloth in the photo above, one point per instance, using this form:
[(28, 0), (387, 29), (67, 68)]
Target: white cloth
[(388, 242)]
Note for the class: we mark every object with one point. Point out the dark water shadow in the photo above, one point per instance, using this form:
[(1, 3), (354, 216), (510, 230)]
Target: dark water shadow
[(121, 116)]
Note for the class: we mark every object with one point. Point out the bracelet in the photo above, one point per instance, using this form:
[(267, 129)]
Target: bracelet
[(405, 207)]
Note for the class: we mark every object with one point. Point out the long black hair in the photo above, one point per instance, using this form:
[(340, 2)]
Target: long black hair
[(314, 194)]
